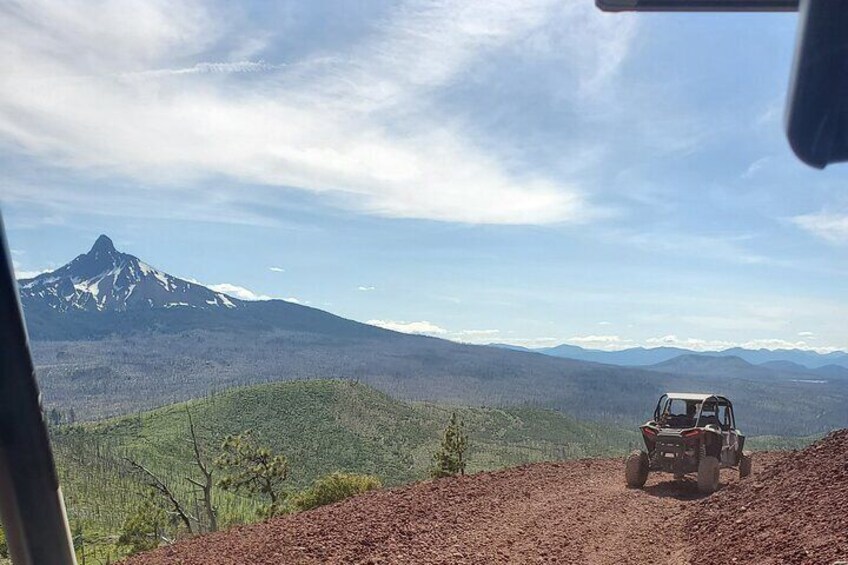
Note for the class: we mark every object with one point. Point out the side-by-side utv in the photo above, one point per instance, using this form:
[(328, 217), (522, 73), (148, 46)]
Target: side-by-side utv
[(690, 433)]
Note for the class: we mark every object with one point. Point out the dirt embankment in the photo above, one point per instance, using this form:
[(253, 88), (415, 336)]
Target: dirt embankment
[(572, 512), (793, 511)]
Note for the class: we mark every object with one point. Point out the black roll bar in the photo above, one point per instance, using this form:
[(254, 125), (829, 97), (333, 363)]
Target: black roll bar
[(31, 505)]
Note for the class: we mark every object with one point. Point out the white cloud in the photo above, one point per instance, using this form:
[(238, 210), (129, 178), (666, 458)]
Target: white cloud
[(687, 343), (776, 343), (479, 332), (573, 39), (366, 288), (204, 68), (277, 269), (422, 327), (239, 292), (243, 293), (531, 342), (806, 334), (605, 342), (755, 167), (828, 226), (604, 323), (771, 114), (23, 274), (92, 90), (614, 343), (697, 344), (474, 336), (427, 328)]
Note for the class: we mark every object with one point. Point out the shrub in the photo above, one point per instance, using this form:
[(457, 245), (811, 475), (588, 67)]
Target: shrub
[(4, 547), (333, 488), (142, 529)]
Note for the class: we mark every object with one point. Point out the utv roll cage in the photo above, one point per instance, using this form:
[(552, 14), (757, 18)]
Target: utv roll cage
[(31, 504), (663, 409)]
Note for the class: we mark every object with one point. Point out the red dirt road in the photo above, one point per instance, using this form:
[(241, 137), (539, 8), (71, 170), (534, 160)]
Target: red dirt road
[(569, 512)]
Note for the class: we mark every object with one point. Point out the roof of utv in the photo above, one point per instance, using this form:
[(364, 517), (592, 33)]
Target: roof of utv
[(700, 396)]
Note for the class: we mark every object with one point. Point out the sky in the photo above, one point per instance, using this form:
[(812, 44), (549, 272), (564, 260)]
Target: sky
[(530, 173)]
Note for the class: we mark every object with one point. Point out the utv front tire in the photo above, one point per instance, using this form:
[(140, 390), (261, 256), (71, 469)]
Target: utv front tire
[(636, 469), (746, 464), (708, 474)]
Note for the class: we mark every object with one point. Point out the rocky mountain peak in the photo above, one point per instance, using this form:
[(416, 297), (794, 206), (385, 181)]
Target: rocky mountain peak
[(102, 245), (105, 279)]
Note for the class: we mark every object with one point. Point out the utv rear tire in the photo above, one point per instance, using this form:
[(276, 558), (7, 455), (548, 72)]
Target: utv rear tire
[(636, 469), (746, 464), (708, 474)]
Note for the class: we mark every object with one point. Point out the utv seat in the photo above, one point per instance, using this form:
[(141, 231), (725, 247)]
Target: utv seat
[(680, 421), (710, 420)]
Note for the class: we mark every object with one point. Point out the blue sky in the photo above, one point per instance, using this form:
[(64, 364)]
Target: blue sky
[(531, 173)]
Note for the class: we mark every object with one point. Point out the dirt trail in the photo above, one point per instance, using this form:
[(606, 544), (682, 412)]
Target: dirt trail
[(569, 512)]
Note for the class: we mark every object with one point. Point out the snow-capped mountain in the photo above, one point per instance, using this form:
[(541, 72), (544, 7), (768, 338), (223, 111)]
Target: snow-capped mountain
[(104, 279)]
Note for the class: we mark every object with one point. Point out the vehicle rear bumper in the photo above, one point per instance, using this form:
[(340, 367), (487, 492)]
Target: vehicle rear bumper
[(672, 455)]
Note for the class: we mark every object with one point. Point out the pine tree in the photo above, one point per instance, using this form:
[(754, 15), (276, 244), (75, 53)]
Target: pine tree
[(253, 470), (449, 460)]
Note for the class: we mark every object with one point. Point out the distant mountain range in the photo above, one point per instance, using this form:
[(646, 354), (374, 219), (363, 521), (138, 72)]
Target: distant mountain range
[(112, 335), (731, 366), (641, 356)]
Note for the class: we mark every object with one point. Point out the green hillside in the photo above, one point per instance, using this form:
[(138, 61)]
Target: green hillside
[(321, 426), (343, 425)]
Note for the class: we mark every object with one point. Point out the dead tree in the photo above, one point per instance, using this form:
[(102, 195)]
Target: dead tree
[(162, 488), (207, 483)]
